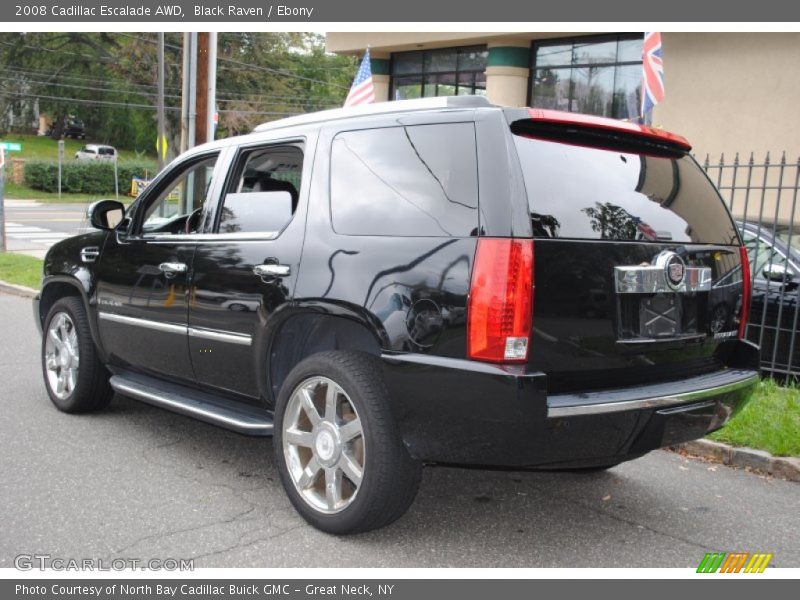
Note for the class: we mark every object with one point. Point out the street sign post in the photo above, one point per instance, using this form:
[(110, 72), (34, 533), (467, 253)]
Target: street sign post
[(4, 148), (60, 160), (2, 193)]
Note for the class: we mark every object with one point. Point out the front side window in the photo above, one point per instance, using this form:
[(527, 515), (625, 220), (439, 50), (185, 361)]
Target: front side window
[(596, 76), (411, 181), (445, 72), (265, 191), (179, 204)]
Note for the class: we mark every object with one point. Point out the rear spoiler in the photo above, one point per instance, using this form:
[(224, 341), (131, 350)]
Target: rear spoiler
[(596, 132)]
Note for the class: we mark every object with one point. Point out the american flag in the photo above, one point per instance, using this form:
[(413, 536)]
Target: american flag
[(362, 92), (652, 72)]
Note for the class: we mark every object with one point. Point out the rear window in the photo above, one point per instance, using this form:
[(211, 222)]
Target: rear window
[(414, 181), (590, 193)]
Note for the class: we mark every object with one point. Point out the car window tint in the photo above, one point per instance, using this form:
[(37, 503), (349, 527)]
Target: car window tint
[(184, 194), (591, 193), (419, 180), (264, 195)]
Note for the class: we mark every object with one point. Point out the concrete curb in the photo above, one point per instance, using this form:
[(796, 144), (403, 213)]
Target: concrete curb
[(744, 458), (17, 290)]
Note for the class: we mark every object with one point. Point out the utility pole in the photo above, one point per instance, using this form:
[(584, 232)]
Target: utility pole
[(212, 86), (162, 134), (201, 124), (191, 117), (199, 100)]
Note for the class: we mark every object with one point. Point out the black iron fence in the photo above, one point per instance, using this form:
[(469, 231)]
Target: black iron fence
[(763, 198)]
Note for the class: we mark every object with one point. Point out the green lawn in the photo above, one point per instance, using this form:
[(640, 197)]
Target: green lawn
[(771, 421), (21, 269), (36, 147), (23, 192)]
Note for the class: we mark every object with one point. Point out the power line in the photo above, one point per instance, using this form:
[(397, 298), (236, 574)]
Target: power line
[(143, 106), (254, 95), (281, 72)]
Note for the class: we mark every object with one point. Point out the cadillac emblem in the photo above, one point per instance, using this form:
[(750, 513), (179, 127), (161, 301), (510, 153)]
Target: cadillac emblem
[(674, 270)]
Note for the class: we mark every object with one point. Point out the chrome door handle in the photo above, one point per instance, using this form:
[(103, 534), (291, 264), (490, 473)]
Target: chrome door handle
[(272, 270), (172, 269)]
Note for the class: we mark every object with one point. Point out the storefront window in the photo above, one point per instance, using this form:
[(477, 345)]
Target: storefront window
[(597, 76), (445, 72)]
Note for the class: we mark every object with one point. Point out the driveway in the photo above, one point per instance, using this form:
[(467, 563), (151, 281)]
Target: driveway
[(137, 482)]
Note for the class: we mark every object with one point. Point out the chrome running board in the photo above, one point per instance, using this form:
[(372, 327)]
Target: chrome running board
[(236, 416)]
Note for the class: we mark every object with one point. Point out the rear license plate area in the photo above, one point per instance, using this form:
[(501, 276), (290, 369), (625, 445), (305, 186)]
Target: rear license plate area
[(661, 316)]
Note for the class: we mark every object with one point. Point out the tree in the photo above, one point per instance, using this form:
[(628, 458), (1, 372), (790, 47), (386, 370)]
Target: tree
[(108, 80)]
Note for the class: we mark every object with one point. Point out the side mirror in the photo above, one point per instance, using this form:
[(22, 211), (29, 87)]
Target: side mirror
[(106, 214), (777, 273)]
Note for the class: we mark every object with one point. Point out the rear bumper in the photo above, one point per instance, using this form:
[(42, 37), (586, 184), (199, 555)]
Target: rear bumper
[(672, 394), (462, 412)]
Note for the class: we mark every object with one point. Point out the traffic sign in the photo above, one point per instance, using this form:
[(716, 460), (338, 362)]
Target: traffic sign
[(11, 146), (161, 147)]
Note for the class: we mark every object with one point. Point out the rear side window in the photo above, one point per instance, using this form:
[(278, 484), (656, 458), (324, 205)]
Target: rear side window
[(415, 181), (590, 193)]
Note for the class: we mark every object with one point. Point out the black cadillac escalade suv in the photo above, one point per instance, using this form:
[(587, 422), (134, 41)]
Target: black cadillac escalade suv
[(434, 281)]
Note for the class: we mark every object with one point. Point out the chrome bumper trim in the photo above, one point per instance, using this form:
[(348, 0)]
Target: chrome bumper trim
[(651, 402)]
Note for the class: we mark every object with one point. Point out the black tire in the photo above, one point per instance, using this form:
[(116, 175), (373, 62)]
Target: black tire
[(390, 476), (92, 390)]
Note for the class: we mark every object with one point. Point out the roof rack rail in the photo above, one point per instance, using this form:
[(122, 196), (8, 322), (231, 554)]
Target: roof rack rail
[(377, 109)]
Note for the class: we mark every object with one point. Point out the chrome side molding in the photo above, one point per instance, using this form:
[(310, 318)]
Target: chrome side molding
[(210, 334), (221, 336), (146, 323)]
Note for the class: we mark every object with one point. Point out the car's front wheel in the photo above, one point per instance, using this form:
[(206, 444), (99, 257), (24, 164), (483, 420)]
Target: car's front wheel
[(338, 451), (75, 378)]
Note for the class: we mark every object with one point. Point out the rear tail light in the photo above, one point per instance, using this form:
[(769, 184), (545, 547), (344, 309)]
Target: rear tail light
[(746, 292), (500, 311)]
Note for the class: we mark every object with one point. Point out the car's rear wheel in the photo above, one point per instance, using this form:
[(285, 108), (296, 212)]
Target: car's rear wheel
[(338, 451), (75, 379)]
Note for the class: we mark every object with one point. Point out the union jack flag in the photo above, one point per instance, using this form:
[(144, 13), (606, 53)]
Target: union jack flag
[(362, 92), (652, 72)]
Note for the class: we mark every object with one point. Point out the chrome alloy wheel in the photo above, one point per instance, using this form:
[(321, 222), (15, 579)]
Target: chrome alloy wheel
[(323, 445), (62, 355)]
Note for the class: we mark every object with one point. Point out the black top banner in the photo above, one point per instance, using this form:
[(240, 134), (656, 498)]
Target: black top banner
[(316, 11)]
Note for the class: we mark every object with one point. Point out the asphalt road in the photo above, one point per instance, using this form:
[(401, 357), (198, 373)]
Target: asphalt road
[(33, 227), (137, 482)]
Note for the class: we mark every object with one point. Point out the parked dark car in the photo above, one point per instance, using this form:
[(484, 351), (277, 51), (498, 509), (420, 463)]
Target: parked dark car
[(432, 281), (774, 315)]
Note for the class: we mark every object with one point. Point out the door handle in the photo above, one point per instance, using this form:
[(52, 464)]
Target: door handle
[(272, 270), (172, 269)]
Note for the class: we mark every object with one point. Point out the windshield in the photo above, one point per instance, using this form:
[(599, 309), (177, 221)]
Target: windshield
[(583, 192)]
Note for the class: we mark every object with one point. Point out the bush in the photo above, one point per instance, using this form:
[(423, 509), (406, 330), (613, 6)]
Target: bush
[(84, 177)]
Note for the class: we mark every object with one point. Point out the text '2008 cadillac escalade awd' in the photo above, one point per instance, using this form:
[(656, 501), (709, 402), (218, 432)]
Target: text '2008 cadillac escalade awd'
[(433, 281)]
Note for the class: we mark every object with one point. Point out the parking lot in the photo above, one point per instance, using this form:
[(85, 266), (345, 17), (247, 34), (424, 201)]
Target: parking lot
[(137, 482)]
